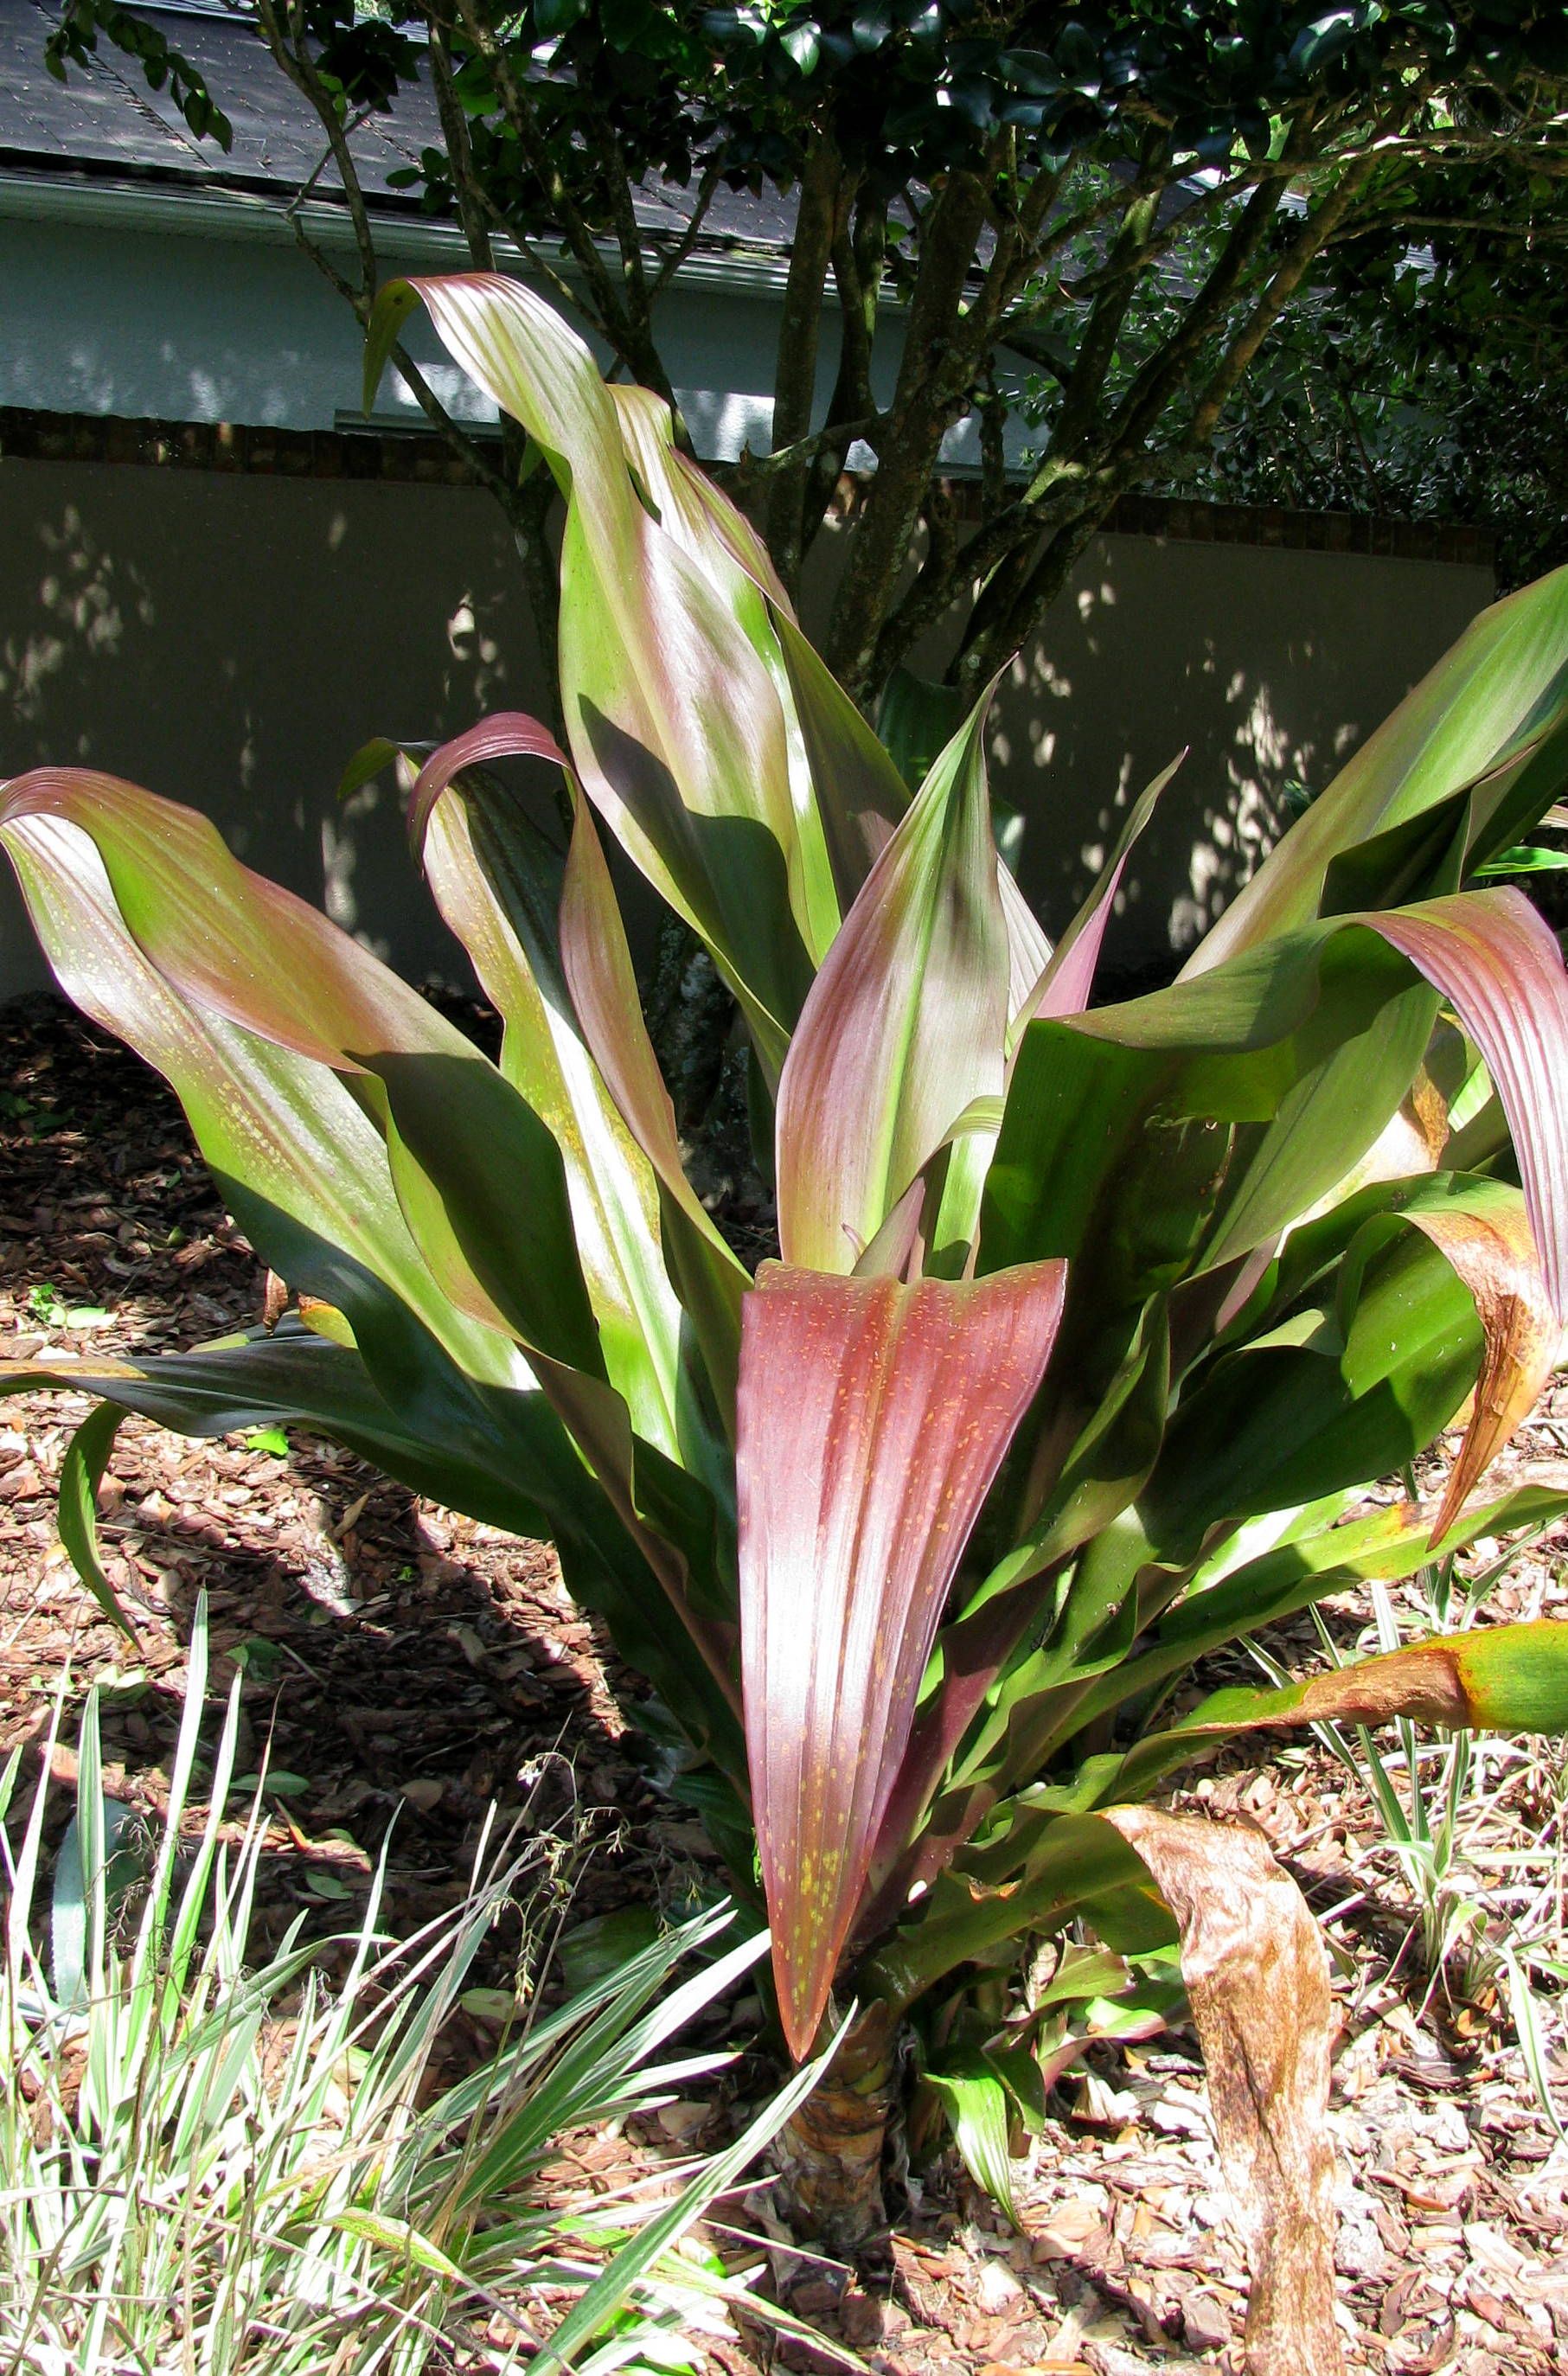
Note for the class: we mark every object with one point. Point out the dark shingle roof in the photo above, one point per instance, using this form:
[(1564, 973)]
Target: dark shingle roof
[(105, 124)]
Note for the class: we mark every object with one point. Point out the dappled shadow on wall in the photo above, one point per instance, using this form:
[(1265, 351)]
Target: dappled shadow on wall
[(1269, 667), (232, 642)]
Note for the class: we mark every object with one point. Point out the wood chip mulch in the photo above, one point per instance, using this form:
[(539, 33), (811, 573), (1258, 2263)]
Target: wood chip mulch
[(406, 1667)]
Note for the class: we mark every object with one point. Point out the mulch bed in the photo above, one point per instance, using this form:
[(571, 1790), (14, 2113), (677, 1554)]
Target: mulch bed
[(407, 1666)]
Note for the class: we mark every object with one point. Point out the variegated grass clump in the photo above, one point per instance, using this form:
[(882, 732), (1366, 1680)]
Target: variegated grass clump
[(206, 2166), (1462, 1836)]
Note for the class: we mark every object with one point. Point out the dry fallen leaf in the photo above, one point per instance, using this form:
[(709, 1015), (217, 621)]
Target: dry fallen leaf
[(1257, 1977)]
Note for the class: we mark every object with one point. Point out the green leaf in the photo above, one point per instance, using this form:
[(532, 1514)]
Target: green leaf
[(916, 717), (859, 792), (591, 2313), (81, 1472), (312, 1076), (676, 728), (469, 1167), (709, 1278), (1495, 1677), (1318, 1032), (395, 301), (96, 1867), (1523, 858), (978, 2106), (1391, 1543), (903, 1030), (371, 759), (1080, 1860), (499, 884), (1275, 1425), (593, 1950), (399, 2239)]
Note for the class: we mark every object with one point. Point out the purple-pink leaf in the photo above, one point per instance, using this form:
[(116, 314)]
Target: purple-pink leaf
[(508, 734), (874, 1417), (603, 988), (1497, 961)]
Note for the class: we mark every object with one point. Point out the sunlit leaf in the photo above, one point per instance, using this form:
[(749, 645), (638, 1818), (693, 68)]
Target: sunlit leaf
[(500, 887), (81, 1472), (1486, 1238), (978, 2106), (903, 1028), (1067, 978), (597, 967), (478, 1176), (1495, 1678), (675, 725)]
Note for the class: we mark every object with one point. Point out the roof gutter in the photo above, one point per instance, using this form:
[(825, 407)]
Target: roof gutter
[(172, 211)]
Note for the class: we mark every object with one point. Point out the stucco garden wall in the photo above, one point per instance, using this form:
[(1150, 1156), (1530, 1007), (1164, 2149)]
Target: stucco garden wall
[(229, 637)]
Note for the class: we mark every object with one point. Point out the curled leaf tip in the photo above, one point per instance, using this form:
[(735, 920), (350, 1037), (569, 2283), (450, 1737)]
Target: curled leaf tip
[(1493, 1249), (509, 734)]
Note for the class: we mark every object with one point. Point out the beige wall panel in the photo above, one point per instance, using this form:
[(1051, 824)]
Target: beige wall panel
[(230, 640), (1267, 666)]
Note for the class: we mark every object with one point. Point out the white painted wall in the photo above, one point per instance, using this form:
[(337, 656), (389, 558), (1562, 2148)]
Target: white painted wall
[(202, 306), (103, 317)]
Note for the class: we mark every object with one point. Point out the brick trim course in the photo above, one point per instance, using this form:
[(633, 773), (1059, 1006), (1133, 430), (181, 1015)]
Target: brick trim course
[(405, 458)]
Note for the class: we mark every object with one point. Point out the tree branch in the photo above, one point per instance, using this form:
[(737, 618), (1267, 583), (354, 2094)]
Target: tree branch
[(860, 258), (1078, 478), (753, 467), (539, 262), (467, 449), (300, 68), (612, 159), (1008, 611), (712, 174), (922, 408), (603, 312), (794, 380), (301, 73), (1287, 279), (857, 276), (459, 150)]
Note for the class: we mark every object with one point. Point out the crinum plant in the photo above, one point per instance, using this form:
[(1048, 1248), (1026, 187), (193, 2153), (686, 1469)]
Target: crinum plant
[(1091, 1326)]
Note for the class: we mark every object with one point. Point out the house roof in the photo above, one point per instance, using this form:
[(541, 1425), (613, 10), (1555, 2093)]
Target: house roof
[(103, 124)]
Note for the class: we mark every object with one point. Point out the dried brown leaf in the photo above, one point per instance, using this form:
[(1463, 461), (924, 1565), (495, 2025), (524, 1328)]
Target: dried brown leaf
[(1257, 1977)]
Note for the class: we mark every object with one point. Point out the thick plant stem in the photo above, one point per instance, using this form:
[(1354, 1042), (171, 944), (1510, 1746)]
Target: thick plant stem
[(829, 2155)]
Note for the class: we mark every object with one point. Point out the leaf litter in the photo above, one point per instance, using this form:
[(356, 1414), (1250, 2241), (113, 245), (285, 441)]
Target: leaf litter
[(408, 1665)]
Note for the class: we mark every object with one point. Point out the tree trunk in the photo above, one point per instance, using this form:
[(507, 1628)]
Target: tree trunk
[(829, 2155)]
